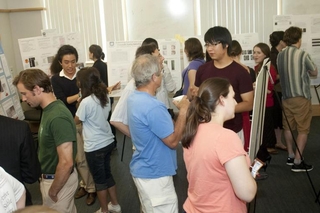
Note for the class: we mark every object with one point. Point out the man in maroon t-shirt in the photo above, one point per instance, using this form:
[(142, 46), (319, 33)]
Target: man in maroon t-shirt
[(218, 45)]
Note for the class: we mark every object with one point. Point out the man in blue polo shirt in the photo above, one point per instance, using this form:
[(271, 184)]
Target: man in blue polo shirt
[(155, 137)]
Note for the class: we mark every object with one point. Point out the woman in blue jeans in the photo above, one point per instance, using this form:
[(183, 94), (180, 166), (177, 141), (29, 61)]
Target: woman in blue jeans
[(98, 139)]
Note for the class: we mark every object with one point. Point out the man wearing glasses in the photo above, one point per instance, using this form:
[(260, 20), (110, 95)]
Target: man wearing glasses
[(218, 45)]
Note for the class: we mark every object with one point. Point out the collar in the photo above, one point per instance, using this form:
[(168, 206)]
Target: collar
[(61, 74)]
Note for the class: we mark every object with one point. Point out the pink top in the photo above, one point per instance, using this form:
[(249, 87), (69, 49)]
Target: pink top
[(273, 73), (210, 189)]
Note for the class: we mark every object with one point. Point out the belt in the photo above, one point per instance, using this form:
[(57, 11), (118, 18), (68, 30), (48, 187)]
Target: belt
[(51, 176)]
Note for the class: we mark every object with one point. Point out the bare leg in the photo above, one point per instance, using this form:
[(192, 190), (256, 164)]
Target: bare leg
[(279, 143), (289, 141), (113, 195), (301, 143), (102, 197), (278, 135)]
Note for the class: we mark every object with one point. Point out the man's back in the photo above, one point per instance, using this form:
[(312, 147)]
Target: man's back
[(149, 122), (18, 155), (293, 66)]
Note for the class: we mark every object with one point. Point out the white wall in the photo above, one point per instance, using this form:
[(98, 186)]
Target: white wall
[(160, 19), (16, 25), (24, 25), (300, 7), (6, 35)]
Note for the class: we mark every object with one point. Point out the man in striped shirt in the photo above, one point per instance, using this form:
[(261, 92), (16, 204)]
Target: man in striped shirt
[(294, 67)]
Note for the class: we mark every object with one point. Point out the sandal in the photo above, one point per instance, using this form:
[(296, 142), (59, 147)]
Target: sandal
[(280, 146)]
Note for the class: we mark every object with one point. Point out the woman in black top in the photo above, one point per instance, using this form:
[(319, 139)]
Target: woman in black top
[(96, 54), (277, 45)]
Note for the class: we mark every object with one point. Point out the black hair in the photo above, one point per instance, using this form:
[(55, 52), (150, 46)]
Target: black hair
[(220, 34)]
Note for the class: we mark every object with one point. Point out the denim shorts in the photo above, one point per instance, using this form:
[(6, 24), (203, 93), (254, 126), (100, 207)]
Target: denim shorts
[(99, 165)]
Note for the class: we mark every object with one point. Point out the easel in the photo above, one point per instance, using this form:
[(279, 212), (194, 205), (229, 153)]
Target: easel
[(259, 104), (257, 121), (260, 96)]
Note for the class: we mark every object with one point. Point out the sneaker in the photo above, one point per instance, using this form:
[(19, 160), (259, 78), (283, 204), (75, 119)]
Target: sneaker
[(302, 167), (99, 211), (114, 208), (290, 161)]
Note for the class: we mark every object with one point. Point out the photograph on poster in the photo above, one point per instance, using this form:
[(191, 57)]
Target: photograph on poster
[(11, 112), (9, 109), (5, 65), (4, 88)]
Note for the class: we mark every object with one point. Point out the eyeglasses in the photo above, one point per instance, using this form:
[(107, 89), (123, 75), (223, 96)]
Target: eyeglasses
[(212, 44)]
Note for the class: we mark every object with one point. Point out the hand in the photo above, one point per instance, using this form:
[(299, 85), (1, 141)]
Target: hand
[(183, 104), (193, 91), (116, 86), (53, 195)]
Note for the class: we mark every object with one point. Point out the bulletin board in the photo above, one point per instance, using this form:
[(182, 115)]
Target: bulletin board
[(9, 100)]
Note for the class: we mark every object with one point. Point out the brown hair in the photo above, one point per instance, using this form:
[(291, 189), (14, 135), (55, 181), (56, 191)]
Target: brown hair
[(88, 80), (292, 35), (194, 49), (235, 49), (33, 77), (202, 106), (265, 49)]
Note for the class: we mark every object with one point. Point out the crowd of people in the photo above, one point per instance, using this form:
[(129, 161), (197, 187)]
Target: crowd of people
[(76, 132)]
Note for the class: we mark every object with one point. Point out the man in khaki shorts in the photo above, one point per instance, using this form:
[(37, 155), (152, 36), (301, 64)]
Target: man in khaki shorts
[(294, 67)]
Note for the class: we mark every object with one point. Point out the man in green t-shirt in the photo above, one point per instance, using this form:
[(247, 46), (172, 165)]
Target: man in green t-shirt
[(57, 140)]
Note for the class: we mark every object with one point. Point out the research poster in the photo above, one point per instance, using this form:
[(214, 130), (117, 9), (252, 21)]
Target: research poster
[(310, 25), (247, 42), (9, 100), (38, 52), (122, 53)]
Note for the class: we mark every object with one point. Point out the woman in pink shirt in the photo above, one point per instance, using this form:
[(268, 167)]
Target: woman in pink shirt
[(217, 165)]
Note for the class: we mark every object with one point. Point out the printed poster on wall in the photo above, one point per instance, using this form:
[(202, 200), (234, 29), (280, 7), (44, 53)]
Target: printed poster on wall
[(247, 42), (9, 100), (121, 54), (38, 52), (310, 25)]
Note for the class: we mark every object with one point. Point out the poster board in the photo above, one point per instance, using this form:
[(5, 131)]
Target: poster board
[(247, 42), (258, 112), (38, 52), (9, 100), (310, 25), (122, 53)]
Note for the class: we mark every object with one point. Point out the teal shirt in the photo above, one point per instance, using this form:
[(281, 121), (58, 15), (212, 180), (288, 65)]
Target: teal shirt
[(57, 127)]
